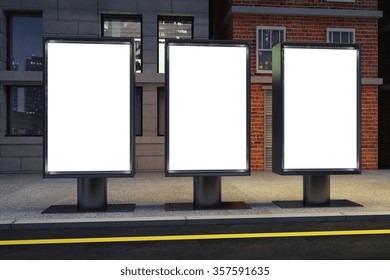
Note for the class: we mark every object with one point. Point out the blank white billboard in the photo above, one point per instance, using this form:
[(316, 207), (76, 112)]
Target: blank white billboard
[(89, 107), (207, 108), (320, 108)]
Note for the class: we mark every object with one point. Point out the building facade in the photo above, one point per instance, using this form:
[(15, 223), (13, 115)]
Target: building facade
[(23, 25), (265, 23), (384, 90)]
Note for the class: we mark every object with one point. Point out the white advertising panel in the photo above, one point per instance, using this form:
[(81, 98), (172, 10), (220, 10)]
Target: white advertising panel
[(88, 95), (207, 108), (320, 108)]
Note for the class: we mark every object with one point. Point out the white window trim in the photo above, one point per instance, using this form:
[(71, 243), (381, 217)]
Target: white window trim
[(328, 30), (257, 44)]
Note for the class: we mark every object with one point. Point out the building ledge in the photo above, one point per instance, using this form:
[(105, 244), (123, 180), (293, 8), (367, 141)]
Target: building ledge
[(268, 80), (316, 12)]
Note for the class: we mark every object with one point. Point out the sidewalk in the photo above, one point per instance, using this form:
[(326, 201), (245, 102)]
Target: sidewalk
[(24, 197)]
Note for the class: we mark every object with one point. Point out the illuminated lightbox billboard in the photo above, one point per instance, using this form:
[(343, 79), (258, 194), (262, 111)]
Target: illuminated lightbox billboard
[(208, 108), (89, 108), (316, 108)]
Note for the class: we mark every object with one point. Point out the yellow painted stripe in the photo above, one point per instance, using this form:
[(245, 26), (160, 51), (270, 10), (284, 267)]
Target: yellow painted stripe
[(192, 237)]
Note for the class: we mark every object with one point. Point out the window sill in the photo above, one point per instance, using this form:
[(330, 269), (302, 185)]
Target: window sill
[(21, 77)]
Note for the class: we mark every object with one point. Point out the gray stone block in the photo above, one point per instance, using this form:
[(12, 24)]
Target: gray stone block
[(149, 68), (21, 151), (149, 111), (161, 6), (39, 4), (89, 28), (149, 126), (149, 17), (17, 4), (10, 164), (201, 19), (150, 163), (32, 164), (150, 150), (3, 110), (190, 6), (60, 27), (149, 29), (77, 4), (201, 31), (78, 14), (118, 5), (149, 98), (149, 42), (50, 14), (149, 56)]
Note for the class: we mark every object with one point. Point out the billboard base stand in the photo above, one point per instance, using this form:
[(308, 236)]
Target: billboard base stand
[(73, 209), (91, 194), (316, 193), (316, 190), (207, 196), (91, 197)]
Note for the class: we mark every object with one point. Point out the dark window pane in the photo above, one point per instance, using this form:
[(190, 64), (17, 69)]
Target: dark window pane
[(174, 28), (161, 111), (336, 37), (266, 39), (265, 60), (351, 39), (275, 37), (25, 111), (25, 41), (259, 38), (125, 27), (138, 111), (344, 37)]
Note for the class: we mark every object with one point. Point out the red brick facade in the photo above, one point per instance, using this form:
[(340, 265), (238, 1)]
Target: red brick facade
[(312, 29)]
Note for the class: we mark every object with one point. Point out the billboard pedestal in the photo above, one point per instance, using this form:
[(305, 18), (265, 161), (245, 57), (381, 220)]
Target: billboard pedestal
[(91, 194), (207, 196), (316, 190), (316, 193), (207, 191)]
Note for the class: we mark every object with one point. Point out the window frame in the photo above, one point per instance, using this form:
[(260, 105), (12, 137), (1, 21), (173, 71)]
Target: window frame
[(137, 17), (272, 28), (141, 110), (162, 119), (173, 18), (9, 29), (332, 29), (8, 104)]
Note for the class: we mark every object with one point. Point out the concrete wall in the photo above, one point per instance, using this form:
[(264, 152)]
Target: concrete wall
[(83, 18)]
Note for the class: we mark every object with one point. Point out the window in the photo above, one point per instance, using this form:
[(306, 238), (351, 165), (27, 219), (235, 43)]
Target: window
[(138, 111), (25, 111), (266, 38), (174, 28), (161, 111), (123, 26), (340, 35), (25, 42)]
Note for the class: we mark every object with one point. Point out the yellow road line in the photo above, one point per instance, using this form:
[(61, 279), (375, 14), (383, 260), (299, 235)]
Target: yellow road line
[(192, 237)]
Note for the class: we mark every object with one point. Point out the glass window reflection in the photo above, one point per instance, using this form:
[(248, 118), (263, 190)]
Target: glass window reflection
[(25, 111), (25, 42)]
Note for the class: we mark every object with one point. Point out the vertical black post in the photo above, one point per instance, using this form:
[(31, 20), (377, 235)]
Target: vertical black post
[(91, 194), (207, 192), (316, 190)]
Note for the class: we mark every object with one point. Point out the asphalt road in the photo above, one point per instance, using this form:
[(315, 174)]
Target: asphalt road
[(373, 246)]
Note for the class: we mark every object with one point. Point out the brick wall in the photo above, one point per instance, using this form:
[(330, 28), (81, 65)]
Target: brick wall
[(257, 127), (313, 29), (358, 4)]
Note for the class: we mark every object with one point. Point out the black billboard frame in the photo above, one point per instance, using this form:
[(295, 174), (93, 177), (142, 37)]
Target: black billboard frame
[(89, 174)]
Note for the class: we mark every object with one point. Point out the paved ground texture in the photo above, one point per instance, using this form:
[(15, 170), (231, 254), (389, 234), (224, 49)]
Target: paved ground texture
[(24, 197)]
